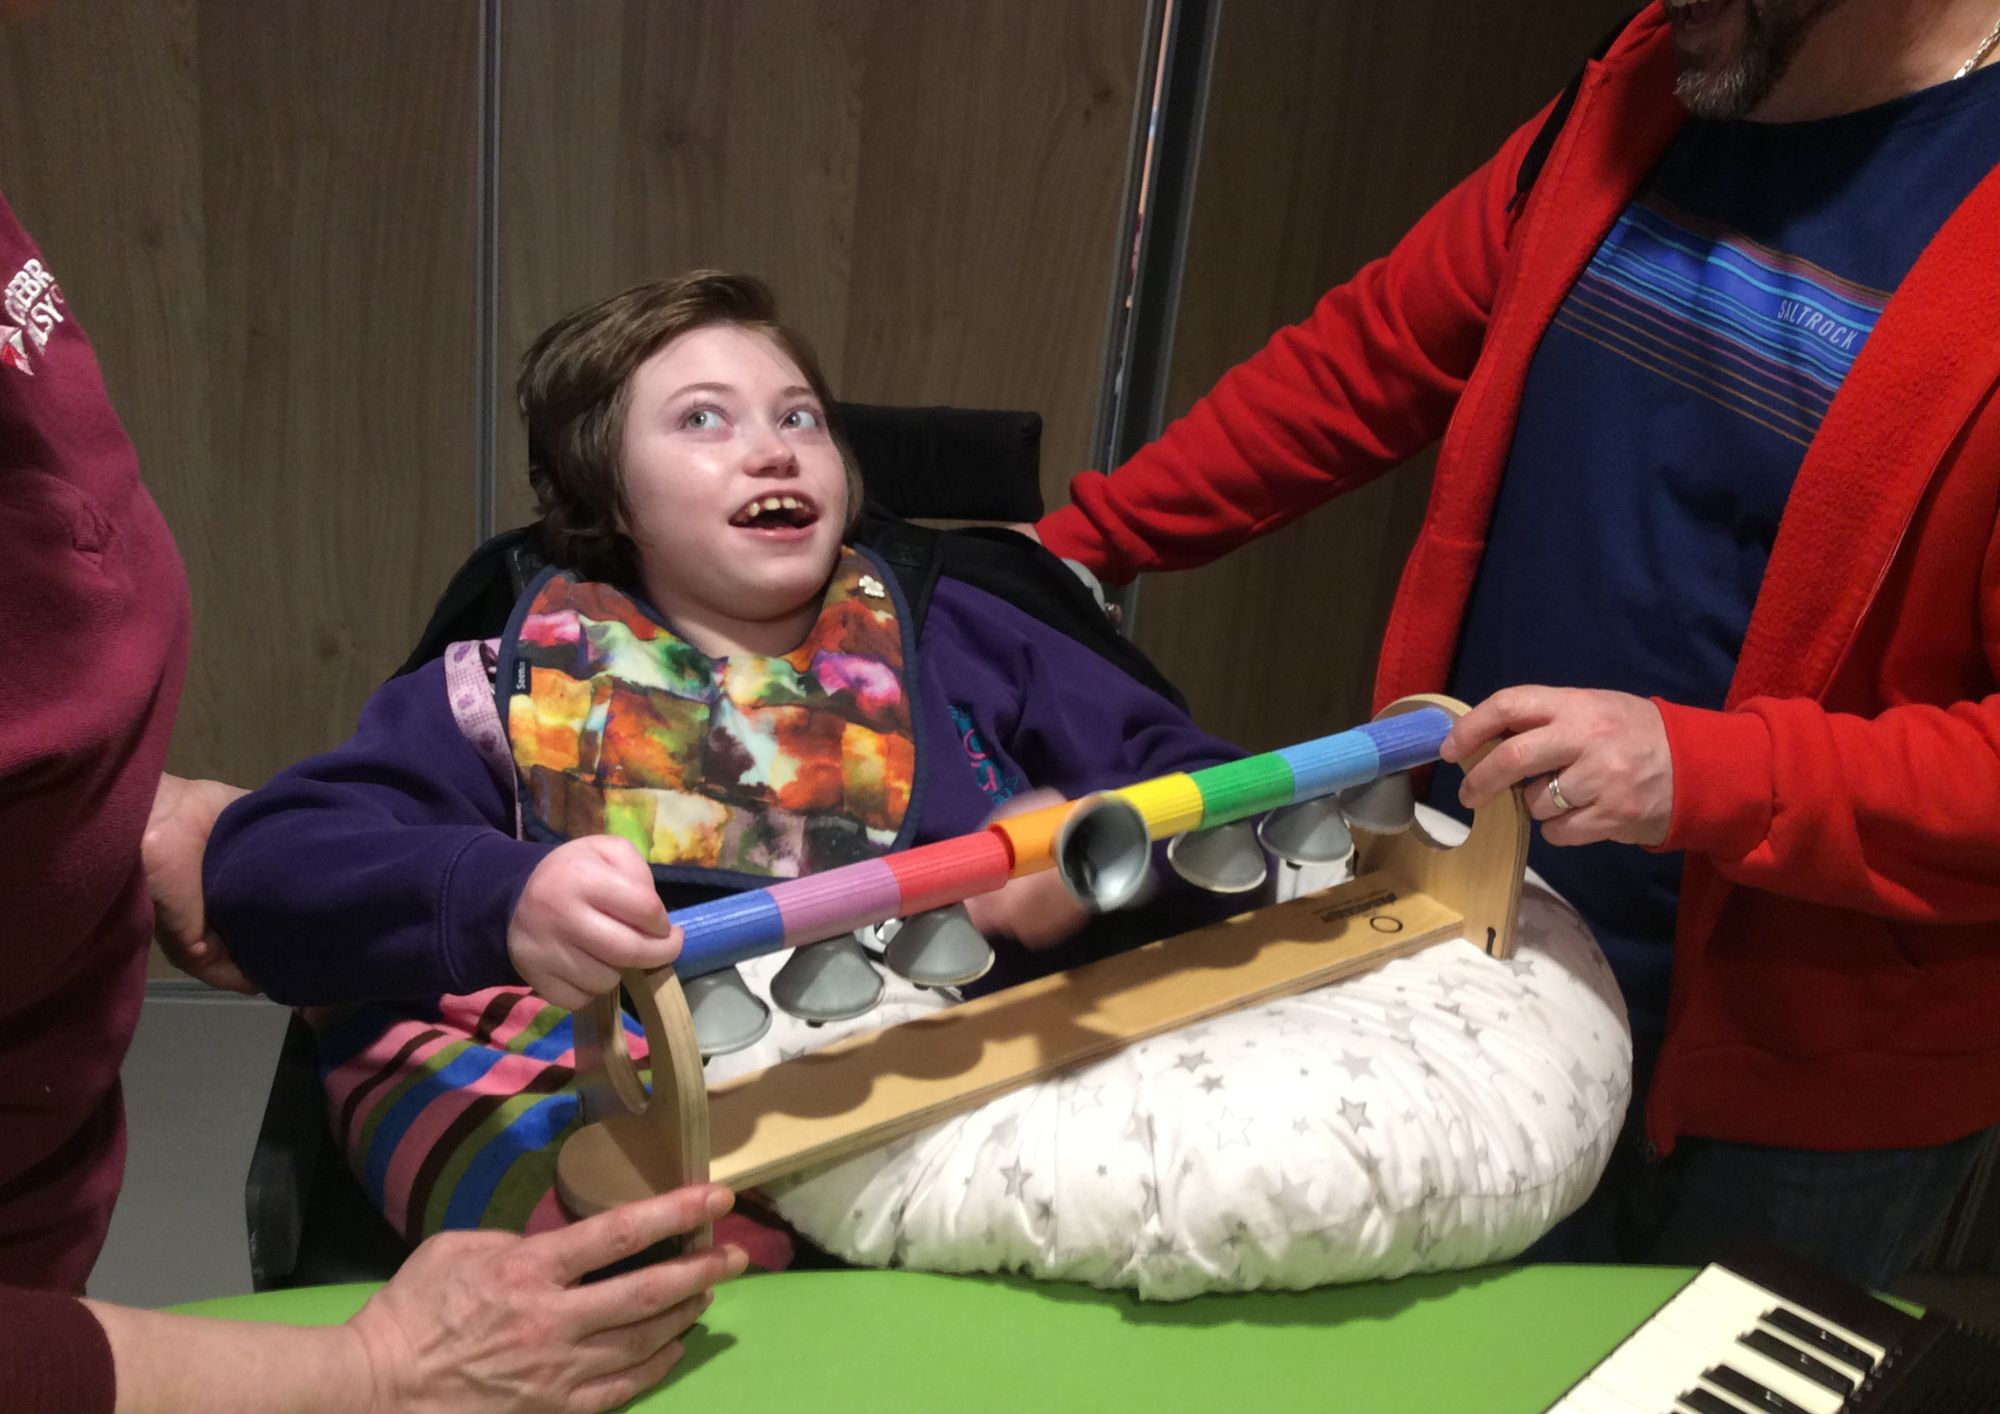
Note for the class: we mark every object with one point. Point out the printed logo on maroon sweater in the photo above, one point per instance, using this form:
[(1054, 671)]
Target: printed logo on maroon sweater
[(31, 304)]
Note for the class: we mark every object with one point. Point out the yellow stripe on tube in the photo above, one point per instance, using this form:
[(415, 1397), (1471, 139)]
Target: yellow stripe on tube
[(1168, 804)]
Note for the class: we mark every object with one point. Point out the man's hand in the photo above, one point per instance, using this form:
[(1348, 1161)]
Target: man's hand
[(489, 1321), (1605, 752), (1113, 610), (1035, 910), (588, 910), (177, 832)]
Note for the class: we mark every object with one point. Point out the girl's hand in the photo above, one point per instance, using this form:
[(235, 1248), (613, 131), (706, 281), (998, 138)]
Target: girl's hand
[(1034, 910), (588, 910)]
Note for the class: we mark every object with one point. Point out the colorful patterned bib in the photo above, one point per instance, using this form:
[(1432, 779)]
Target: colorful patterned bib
[(746, 766)]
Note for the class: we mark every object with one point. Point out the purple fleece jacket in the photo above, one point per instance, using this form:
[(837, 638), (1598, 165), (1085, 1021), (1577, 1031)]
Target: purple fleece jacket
[(387, 868)]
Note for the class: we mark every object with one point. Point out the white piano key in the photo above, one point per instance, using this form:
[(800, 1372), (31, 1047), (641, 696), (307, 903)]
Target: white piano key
[(1715, 1329), (1670, 1352), (1652, 1367), (1716, 1314), (1592, 1398), (1729, 1286), (1699, 1328), (1703, 1399)]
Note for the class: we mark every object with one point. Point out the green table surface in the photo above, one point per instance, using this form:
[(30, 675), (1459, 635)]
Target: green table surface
[(1501, 1339)]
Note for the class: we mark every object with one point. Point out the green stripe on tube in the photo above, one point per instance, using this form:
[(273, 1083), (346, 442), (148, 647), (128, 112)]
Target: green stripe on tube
[(1240, 789)]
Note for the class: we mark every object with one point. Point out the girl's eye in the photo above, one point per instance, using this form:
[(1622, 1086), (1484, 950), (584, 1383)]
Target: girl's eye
[(701, 419), (803, 420)]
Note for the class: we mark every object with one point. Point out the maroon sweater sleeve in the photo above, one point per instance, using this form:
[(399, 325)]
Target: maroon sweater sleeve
[(56, 1357), (93, 636)]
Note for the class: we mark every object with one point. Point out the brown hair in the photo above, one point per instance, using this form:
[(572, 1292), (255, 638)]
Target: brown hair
[(575, 387)]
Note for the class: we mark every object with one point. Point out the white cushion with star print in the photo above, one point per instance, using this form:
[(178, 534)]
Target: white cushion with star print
[(1442, 1111)]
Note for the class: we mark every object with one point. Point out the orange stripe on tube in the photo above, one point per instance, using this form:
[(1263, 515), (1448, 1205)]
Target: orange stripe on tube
[(1031, 836)]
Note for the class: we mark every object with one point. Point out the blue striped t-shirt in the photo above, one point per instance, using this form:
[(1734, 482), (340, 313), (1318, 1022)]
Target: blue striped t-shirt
[(1666, 413)]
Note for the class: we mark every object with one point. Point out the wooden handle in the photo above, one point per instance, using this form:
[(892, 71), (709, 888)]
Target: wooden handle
[(1479, 878), (660, 1141)]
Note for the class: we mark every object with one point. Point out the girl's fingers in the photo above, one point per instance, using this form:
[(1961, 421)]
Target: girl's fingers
[(631, 901)]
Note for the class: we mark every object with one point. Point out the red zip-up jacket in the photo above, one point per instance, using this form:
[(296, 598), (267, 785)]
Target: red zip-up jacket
[(1837, 960)]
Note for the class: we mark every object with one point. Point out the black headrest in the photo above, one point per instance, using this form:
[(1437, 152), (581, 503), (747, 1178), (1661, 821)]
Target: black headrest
[(939, 463)]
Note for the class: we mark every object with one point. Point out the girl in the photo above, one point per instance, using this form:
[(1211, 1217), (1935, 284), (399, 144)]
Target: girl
[(707, 690)]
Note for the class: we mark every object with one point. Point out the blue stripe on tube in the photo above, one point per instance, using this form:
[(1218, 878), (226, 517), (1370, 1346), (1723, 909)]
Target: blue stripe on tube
[(1330, 763), (1411, 739), (725, 931)]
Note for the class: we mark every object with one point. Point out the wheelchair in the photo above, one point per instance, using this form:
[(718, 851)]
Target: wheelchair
[(310, 1221)]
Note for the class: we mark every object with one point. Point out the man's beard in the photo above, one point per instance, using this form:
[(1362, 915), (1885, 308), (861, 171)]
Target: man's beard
[(1772, 31)]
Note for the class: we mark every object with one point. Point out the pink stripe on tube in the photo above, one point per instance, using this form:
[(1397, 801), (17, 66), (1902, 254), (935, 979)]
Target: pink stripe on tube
[(949, 871), (838, 901)]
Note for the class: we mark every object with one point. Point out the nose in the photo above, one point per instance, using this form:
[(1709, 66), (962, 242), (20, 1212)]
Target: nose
[(767, 453)]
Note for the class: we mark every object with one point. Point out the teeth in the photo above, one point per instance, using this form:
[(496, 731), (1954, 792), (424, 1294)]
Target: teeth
[(765, 504)]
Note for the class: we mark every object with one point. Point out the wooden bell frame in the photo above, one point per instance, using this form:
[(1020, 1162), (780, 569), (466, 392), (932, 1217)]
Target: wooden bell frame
[(1409, 891)]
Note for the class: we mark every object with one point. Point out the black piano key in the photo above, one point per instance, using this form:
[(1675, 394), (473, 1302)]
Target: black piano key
[(1702, 1402), (1822, 1340), (1749, 1391), (1825, 1298), (1797, 1361)]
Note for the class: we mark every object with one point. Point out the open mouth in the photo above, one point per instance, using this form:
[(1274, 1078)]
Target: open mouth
[(780, 510)]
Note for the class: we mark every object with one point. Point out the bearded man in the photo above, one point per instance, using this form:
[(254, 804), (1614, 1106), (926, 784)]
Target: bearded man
[(1713, 347)]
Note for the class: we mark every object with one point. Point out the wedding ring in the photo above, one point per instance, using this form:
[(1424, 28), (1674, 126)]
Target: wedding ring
[(1563, 807)]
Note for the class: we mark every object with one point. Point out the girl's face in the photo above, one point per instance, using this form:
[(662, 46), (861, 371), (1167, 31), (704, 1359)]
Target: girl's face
[(737, 491)]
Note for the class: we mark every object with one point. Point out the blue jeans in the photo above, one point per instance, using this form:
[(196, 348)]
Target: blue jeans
[(1862, 1216)]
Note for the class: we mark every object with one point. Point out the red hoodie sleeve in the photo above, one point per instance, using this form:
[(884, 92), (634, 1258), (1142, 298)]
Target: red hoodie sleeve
[(1895, 815), (1364, 383)]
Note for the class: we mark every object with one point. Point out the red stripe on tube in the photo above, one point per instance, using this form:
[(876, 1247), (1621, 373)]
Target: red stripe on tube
[(933, 875)]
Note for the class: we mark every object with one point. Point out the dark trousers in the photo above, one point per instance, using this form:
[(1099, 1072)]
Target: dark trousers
[(1863, 1216)]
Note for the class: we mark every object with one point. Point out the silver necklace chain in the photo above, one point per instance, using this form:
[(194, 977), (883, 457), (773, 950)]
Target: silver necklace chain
[(1979, 54)]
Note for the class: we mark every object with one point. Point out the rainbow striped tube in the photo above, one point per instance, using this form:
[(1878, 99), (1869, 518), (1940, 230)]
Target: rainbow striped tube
[(732, 930), (1220, 795)]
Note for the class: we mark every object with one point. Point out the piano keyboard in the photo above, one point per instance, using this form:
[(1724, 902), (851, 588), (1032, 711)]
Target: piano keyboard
[(1766, 1338)]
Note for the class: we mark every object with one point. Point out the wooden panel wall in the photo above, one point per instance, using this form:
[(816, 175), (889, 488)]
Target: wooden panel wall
[(1331, 127), (933, 189), (339, 157), (264, 215)]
